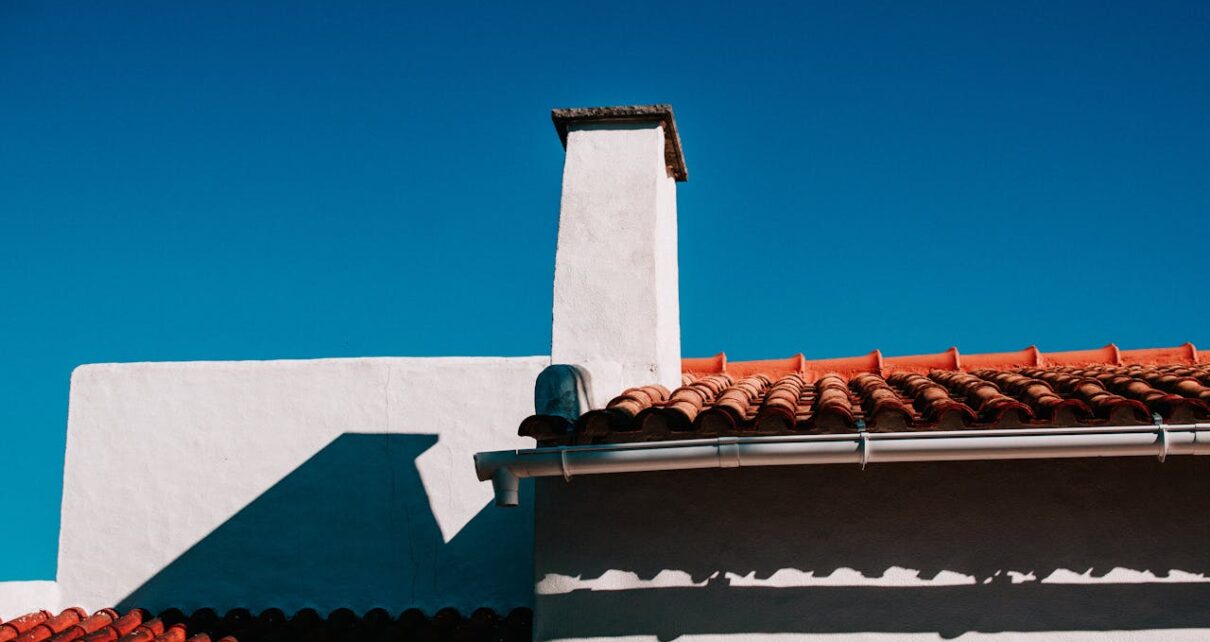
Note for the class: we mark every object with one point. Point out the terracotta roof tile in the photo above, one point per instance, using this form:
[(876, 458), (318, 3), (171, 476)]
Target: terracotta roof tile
[(13, 628), (942, 391), (174, 633), (118, 628), (779, 410), (272, 625), (90, 624), (47, 626)]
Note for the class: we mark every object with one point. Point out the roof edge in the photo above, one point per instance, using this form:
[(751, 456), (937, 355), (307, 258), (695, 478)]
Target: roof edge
[(875, 362)]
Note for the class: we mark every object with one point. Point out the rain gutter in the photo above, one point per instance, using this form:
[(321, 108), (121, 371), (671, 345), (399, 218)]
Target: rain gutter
[(505, 468)]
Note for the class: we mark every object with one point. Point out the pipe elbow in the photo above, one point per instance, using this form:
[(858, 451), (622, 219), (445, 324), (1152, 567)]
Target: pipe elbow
[(507, 487)]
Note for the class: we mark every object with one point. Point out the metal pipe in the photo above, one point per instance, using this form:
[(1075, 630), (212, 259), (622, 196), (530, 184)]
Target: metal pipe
[(506, 467)]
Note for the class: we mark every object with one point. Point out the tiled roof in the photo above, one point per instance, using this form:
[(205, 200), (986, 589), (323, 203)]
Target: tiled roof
[(943, 391), (272, 625)]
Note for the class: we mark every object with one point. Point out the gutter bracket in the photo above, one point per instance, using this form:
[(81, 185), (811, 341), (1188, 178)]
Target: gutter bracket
[(1198, 439), (728, 452), (1163, 431), (563, 464), (863, 443)]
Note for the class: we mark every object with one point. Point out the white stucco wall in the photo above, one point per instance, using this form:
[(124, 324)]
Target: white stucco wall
[(18, 598), (616, 303), (1095, 549), (324, 483)]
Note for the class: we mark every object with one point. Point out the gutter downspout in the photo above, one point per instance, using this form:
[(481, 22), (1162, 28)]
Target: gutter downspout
[(505, 468)]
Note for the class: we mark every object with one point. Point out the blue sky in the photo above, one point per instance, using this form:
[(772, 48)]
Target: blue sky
[(220, 181)]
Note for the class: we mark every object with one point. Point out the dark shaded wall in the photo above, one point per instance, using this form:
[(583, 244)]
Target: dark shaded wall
[(977, 519)]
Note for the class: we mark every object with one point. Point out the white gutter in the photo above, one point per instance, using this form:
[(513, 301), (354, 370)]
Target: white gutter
[(505, 467)]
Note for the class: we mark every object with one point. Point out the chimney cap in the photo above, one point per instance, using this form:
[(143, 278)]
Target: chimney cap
[(673, 157)]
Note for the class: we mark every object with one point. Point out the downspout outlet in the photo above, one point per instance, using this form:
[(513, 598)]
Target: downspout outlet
[(506, 485)]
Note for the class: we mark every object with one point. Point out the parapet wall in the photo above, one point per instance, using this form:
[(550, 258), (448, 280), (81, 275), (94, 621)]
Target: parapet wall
[(320, 483)]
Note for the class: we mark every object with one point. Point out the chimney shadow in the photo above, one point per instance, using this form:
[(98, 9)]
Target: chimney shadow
[(350, 527)]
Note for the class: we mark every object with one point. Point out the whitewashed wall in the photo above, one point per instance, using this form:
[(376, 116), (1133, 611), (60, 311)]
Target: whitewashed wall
[(17, 598), (323, 483)]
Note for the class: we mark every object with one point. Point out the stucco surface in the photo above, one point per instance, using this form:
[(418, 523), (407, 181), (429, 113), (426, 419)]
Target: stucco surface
[(324, 483), (17, 598), (1110, 549), (616, 306)]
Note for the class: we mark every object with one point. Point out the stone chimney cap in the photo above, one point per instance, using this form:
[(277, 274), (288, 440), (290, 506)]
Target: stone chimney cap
[(675, 159)]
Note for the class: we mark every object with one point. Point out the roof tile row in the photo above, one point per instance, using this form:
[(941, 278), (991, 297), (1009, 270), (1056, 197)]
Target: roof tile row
[(795, 396), (272, 625)]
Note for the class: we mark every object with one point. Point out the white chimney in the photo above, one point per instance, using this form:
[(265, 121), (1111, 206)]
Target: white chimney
[(616, 302)]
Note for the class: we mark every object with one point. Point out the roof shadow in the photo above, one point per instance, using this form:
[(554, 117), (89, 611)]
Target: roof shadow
[(948, 612), (974, 521)]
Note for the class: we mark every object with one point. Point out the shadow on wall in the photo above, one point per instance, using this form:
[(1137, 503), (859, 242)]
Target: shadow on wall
[(351, 527), (1042, 519)]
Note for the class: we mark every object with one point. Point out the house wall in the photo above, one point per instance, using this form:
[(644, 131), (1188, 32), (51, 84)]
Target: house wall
[(1112, 549), (325, 483)]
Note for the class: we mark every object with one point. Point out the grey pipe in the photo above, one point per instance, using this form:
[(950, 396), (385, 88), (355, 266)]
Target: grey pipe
[(505, 467)]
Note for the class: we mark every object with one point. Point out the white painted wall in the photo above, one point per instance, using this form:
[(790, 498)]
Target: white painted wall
[(1094, 549), (324, 483), (19, 598), (616, 302)]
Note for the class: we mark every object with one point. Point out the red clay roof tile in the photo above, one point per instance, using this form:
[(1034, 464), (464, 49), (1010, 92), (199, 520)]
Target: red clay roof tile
[(175, 633), (144, 632), (49, 627), (90, 624), (13, 628), (118, 628)]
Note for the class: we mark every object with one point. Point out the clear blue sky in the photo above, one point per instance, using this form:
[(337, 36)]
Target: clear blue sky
[(311, 180)]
